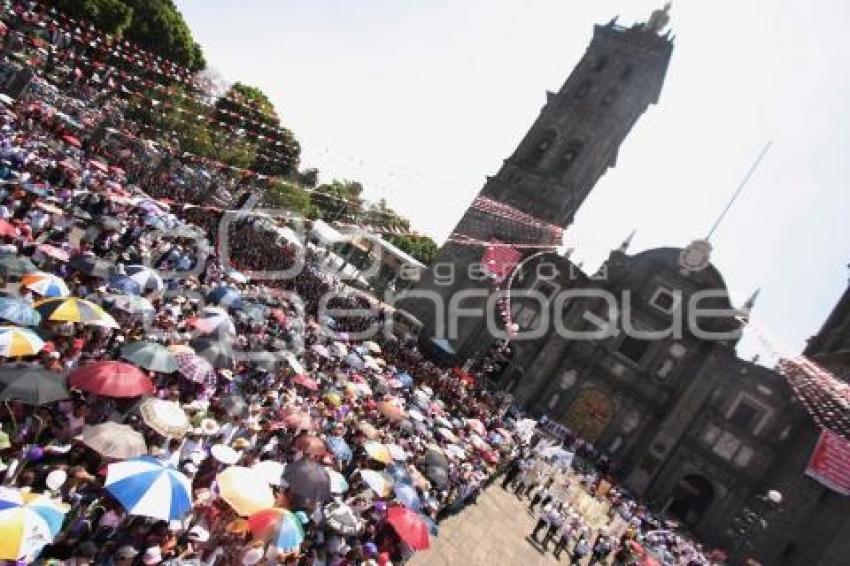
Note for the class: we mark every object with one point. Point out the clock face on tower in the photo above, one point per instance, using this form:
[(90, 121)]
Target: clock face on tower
[(695, 257)]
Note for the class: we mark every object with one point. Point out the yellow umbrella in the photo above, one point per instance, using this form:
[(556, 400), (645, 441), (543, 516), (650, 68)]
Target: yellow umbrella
[(73, 309), (16, 341), (245, 490), (378, 452)]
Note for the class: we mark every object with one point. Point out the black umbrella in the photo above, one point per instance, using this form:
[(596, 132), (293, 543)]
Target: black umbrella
[(93, 266), (308, 479), (32, 386), (16, 266), (219, 353), (435, 459), (341, 519), (438, 476)]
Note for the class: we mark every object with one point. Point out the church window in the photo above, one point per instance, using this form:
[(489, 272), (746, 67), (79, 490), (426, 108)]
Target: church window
[(569, 156), (727, 445), (541, 148), (633, 348), (744, 415), (748, 413), (665, 300)]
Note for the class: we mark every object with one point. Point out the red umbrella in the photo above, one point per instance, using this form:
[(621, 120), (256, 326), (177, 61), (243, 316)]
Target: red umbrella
[(99, 165), (307, 382), (7, 229), (111, 379), (409, 526), (279, 316), (71, 140), (54, 252)]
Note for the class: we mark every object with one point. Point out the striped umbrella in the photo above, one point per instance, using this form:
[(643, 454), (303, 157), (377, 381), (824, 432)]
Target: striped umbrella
[(147, 278), (45, 284), (73, 309), (16, 341), (28, 522), (165, 417), (341, 519), (195, 368), (150, 355), (111, 379), (244, 490), (18, 312), (280, 527), (148, 487)]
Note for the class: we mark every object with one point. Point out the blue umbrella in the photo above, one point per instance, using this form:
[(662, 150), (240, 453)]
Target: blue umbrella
[(399, 474), (147, 487), (339, 448), (407, 496), (123, 284), (225, 296), (405, 379), (19, 312)]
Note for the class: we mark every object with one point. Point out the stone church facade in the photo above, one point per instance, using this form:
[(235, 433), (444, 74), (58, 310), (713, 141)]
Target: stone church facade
[(638, 358)]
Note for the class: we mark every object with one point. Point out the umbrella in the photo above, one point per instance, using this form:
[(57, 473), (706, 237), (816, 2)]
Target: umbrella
[(339, 349), (391, 411), (16, 341), (18, 311), (308, 479), (14, 266), (341, 519), (433, 457), (150, 355), (440, 476), (165, 417), (320, 350), (378, 452), (405, 379), (306, 382), (339, 447), (123, 284), (111, 379), (225, 296), (225, 454), (244, 490), (45, 284), (312, 445), (146, 277), (456, 452), (338, 483), (407, 496), (234, 405), (131, 304), (54, 252), (298, 419), (73, 309), (8, 230), (378, 482), (270, 470), (213, 319), (72, 140), (148, 487), (409, 526), (416, 415), (368, 430), (92, 266), (218, 353), (195, 368), (32, 386), (447, 434), (28, 521), (237, 276), (399, 474), (372, 347), (116, 441), (397, 452), (280, 527)]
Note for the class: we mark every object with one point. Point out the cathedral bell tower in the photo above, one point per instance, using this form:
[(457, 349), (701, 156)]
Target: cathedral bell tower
[(539, 188)]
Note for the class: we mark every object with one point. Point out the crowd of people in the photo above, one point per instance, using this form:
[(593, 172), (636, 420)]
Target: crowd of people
[(160, 406)]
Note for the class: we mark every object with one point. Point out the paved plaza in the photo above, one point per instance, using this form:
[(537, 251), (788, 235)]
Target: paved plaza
[(492, 533)]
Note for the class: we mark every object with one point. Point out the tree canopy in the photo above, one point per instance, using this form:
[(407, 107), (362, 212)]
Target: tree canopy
[(155, 25)]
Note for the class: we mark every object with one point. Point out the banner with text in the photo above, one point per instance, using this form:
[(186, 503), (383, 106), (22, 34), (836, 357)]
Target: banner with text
[(830, 462)]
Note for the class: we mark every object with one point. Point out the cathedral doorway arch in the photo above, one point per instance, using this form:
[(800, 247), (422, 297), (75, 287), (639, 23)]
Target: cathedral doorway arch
[(588, 414), (690, 499)]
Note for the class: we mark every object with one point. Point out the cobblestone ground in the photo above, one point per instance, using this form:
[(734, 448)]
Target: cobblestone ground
[(492, 533)]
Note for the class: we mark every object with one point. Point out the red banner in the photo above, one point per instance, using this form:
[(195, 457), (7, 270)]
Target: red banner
[(830, 462), (499, 259)]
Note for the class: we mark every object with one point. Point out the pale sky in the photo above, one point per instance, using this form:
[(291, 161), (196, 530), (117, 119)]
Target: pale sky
[(419, 100)]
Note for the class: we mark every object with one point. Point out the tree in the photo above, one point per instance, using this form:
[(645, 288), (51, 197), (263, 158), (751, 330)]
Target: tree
[(422, 248), (155, 25), (283, 194), (338, 200)]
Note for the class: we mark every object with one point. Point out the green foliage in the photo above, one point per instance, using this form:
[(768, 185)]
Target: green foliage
[(282, 194), (338, 200), (422, 248), (155, 25)]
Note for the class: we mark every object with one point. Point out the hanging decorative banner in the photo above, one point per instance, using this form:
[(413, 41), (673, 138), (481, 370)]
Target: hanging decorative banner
[(830, 462), (499, 260)]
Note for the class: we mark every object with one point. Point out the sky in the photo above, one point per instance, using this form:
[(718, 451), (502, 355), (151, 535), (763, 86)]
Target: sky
[(420, 101)]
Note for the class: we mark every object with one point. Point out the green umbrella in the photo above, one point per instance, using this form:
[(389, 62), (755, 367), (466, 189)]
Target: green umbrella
[(150, 355), (16, 266), (32, 386)]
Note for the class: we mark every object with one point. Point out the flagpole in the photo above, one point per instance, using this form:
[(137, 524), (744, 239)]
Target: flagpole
[(740, 189)]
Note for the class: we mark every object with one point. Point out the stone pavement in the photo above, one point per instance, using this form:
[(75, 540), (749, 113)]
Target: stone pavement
[(491, 533)]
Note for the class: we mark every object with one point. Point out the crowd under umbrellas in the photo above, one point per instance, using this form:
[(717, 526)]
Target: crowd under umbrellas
[(159, 408)]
